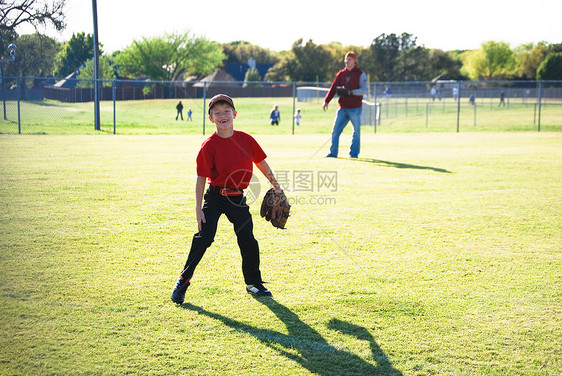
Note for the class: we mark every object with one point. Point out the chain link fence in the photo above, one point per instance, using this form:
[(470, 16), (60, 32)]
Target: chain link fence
[(32, 105), (487, 105)]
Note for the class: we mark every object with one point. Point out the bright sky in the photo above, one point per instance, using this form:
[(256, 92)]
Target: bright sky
[(443, 24)]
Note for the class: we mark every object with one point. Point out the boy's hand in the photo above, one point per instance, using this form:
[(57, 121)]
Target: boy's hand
[(200, 218)]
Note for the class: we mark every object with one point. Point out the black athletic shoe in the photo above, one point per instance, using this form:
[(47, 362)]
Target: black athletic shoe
[(258, 290), (178, 294)]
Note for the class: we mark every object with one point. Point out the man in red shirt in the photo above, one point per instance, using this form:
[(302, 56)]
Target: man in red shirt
[(354, 81), (226, 161)]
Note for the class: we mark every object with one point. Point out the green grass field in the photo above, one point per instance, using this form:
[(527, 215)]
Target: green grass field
[(432, 254), (148, 117)]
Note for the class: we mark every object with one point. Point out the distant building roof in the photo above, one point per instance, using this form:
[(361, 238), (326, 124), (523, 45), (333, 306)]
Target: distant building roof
[(220, 77), (68, 82), (443, 78)]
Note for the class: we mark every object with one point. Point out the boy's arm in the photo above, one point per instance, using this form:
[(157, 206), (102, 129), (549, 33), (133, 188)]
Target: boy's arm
[(199, 192), (268, 173)]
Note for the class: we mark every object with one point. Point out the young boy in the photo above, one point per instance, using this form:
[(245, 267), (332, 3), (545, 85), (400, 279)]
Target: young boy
[(226, 161), (298, 116)]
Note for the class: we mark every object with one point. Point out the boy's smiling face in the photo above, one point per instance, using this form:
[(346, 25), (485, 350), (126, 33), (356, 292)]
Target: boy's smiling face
[(223, 115)]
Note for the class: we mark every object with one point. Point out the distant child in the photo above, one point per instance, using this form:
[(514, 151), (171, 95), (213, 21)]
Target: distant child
[(433, 93), (225, 161), (275, 116), (298, 116), (189, 112)]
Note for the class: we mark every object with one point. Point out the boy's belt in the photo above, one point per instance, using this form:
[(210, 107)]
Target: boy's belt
[(226, 191)]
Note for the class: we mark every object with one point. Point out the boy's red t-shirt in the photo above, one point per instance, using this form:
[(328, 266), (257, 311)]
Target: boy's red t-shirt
[(228, 162)]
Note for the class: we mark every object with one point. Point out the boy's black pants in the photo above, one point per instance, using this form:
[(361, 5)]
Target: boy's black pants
[(238, 213)]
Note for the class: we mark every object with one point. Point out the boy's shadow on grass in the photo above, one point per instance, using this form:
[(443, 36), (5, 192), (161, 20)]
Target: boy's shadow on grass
[(307, 347), (400, 165)]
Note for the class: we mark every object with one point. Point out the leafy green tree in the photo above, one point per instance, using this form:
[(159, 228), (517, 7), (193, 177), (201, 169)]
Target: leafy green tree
[(444, 62), (252, 75), (75, 52), (551, 67), (281, 70), (530, 57), (35, 56), (167, 58), (305, 62), (35, 12), (396, 58), (106, 69), (338, 51), (493, 61), (312, 62), (414, 65), (242, 51), (555, 47)]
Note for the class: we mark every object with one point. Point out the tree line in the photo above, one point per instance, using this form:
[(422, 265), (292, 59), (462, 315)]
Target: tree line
[(185, 56)]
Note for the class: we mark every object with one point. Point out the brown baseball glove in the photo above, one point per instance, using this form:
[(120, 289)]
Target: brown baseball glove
[(275, 208)]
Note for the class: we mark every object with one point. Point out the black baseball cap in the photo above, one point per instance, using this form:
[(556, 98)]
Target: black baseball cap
[(220, 98)]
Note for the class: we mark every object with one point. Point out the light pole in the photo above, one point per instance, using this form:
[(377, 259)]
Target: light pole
[(12, 48), (97, 125)]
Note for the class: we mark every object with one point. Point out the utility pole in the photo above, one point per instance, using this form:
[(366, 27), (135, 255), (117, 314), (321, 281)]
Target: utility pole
[(97, 126)]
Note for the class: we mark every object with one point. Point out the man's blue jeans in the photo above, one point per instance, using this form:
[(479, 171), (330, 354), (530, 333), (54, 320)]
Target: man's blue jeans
[(344, 116)]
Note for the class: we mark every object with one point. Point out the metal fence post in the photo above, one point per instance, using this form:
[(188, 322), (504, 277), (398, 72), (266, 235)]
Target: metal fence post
[(406, 106), (474, 113), (377, 115), (97, 118), (19, 112), (294, 104), (458, 106), (113, 88), (3, 89), (540, 100), (376, 97)]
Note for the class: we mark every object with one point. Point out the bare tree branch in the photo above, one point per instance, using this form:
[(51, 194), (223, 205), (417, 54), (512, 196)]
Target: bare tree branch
[(35, 12)]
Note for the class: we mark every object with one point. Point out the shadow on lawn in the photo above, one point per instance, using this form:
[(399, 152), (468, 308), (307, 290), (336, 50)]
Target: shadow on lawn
[(307, 347), (400, 165)]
